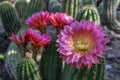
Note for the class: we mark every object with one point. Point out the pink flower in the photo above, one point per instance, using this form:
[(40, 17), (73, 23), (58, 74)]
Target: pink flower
[(38, 20), (19, 39), (29, 33), (81, 44), (59, 20), (38, 39)]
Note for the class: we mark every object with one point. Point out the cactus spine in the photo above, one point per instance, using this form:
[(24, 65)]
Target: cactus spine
[(20, 6), (88, 13), (33, 7), (9, 18), (109, 15), (51, 64), (71, 7), (27, 70)]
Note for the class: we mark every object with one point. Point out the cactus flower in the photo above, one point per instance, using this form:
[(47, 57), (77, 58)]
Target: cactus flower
[(59, 20), (81, 44), (38, 21), (19, 39), (38, 39)]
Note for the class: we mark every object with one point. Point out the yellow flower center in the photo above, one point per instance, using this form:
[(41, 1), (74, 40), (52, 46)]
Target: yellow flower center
[(82, 46)]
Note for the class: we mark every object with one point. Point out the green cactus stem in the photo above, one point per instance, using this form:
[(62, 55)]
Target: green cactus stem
[(56, 7), (9, 18), (51, 64), (88, 13), (34, 6), (71, 7), (20, 6), (27, 69), (13, 56), (87, 2), (96, 72), (109, 15)]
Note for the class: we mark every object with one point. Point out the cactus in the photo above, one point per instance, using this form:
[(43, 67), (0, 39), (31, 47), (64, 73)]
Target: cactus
[(12, 57), (51, 64), (56, 7), (13, 54), (27, 70), (94, 73), (20, 6), (9, 18), (109, 15), (33, 7), (88, 13), (71, 7)]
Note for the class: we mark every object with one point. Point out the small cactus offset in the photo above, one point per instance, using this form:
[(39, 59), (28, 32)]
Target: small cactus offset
[(20, 6), (9, 18), (71, 7), (34, 6), (27, 70), (88, 13)]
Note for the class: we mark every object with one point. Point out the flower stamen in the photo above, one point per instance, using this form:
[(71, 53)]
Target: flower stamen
[(82, 46)]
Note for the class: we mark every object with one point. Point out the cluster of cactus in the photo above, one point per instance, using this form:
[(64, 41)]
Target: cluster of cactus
[(51, 65), (12, 24)]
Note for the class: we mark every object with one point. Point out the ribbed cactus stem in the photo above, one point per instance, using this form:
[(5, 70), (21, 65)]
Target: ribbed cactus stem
[(100, 70), (27, 70), (87, 2), (9, 18), (88, 12), (109, 15), (55, 7), (51, 64), (96, 72), (34, 6), (71, 7), (20, 6), (64, 2)]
